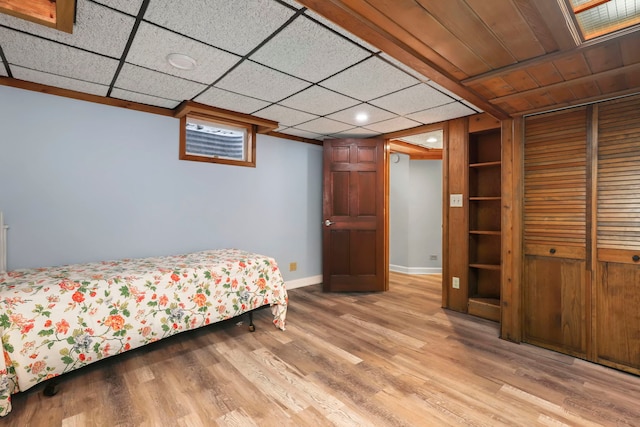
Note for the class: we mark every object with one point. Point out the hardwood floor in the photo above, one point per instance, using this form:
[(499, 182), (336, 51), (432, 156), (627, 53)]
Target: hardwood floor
[(393, 358)]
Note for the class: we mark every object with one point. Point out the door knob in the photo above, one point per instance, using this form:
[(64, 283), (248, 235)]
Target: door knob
[(552, 251), (328, 222), (635, 258)]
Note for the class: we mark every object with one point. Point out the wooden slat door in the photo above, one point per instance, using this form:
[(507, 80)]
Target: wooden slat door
[(556, 165), (618, 234), (353, 238)]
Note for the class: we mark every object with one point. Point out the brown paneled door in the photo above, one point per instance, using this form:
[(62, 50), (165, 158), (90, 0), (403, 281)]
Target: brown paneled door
[(354, 235)]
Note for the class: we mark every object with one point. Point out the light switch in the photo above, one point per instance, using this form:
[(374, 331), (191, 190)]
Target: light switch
[(455, 200)]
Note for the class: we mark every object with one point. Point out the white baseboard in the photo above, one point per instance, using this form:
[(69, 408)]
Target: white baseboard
[(414, 270), (305, 281)]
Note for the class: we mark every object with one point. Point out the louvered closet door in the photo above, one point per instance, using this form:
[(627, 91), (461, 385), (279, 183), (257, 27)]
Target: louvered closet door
[(555, 230), (618, 234)]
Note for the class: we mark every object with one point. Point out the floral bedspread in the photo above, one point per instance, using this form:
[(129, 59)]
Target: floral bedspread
[(59, 319)]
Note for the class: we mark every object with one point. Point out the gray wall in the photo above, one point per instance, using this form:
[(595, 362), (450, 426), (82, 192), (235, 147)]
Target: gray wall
[(415, 222), (83, 182)]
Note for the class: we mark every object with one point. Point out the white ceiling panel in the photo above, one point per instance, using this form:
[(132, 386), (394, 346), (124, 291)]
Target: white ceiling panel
[(403, 67), (128, 6), (293, 3), (237, 26), (444, 112), (148, 82), (309, 51), (98, 29), (318, 100), (302, 133), (356, 133), (324, 126), (412, 99), (470, 105), (144, 99), (58, 81), (285, 116), (339, 29), (398, 123), (370, 79), (153, 44), (230, 101), (443, 90), (43, 55), (350, 115), (3, 71), (258, 81)]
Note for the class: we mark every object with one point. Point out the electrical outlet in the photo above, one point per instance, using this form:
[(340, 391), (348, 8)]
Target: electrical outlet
[(293, 266), (455, 200), (455, 283), (433, 258)]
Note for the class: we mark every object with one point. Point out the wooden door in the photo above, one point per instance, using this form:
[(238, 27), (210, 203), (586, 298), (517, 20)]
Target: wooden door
[(556, 195), (353, 238), (617, 294)]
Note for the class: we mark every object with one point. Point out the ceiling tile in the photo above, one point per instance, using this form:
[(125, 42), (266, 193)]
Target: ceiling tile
[(412, 99), (44, 55), (403, 67), (339, 29), (470, 105), (29, 75), (444, 112), (370, 79), (237, 26), (153, 44), (309, 51), (97, 29), (356, 133), (293, 3), (131, 7), (302, 133), (373, 114), (443, 90), (318, 100), (153, 83), (230, 101), (3, 72), (258, 81), (285, 116), (144, 99), (324, 126), (399, 123)]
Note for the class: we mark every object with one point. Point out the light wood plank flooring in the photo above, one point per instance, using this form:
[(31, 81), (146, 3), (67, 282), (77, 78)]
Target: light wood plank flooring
[(389, 359)]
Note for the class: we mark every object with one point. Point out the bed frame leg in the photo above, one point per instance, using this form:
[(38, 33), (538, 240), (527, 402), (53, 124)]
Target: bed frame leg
[(252, 328), (51, 389)]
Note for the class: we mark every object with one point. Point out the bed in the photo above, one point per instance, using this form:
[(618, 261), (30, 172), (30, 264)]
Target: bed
[(59, 319)]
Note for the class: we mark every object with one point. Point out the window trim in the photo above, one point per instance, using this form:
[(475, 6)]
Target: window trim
[(252, 124)]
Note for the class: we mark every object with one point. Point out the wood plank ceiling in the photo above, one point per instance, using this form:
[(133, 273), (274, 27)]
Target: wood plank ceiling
[(508, 57)]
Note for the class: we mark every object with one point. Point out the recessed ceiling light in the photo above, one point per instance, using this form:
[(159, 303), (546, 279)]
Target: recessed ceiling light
[(362, 117), (181, 61), (432, 139)]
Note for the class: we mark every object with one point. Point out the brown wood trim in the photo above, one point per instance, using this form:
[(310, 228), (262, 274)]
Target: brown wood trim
[(559, 21), (445, 216), (196, 109), (294, 138), (415, 152), (556, 251), (481, 122), (67, 93), (591, 100), (413, 131), (58, 14), (623, 256), (630, 69)]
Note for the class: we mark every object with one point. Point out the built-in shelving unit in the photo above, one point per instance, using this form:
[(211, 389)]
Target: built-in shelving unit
[(484, 224)]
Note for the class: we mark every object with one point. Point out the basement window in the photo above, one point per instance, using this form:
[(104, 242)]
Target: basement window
[(599, 17), (208, 140)]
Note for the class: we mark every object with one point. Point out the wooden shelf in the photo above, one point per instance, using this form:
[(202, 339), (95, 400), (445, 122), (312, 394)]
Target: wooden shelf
[(486, 232), (485, 266), (483, 198), (487, 308), (485, 164)]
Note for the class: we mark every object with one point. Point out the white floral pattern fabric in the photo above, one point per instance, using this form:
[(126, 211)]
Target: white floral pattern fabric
[(59, 319)]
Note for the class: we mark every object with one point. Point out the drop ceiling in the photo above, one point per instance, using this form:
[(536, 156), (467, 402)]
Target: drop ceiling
[(274, 59)]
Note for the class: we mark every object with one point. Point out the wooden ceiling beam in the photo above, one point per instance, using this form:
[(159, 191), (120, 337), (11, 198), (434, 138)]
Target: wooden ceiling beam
[(398, 43)]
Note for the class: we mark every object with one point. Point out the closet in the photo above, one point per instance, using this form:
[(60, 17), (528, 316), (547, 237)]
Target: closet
[(581, 232)]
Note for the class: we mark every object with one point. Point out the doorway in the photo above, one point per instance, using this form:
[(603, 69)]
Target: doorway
[(415, 203)]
